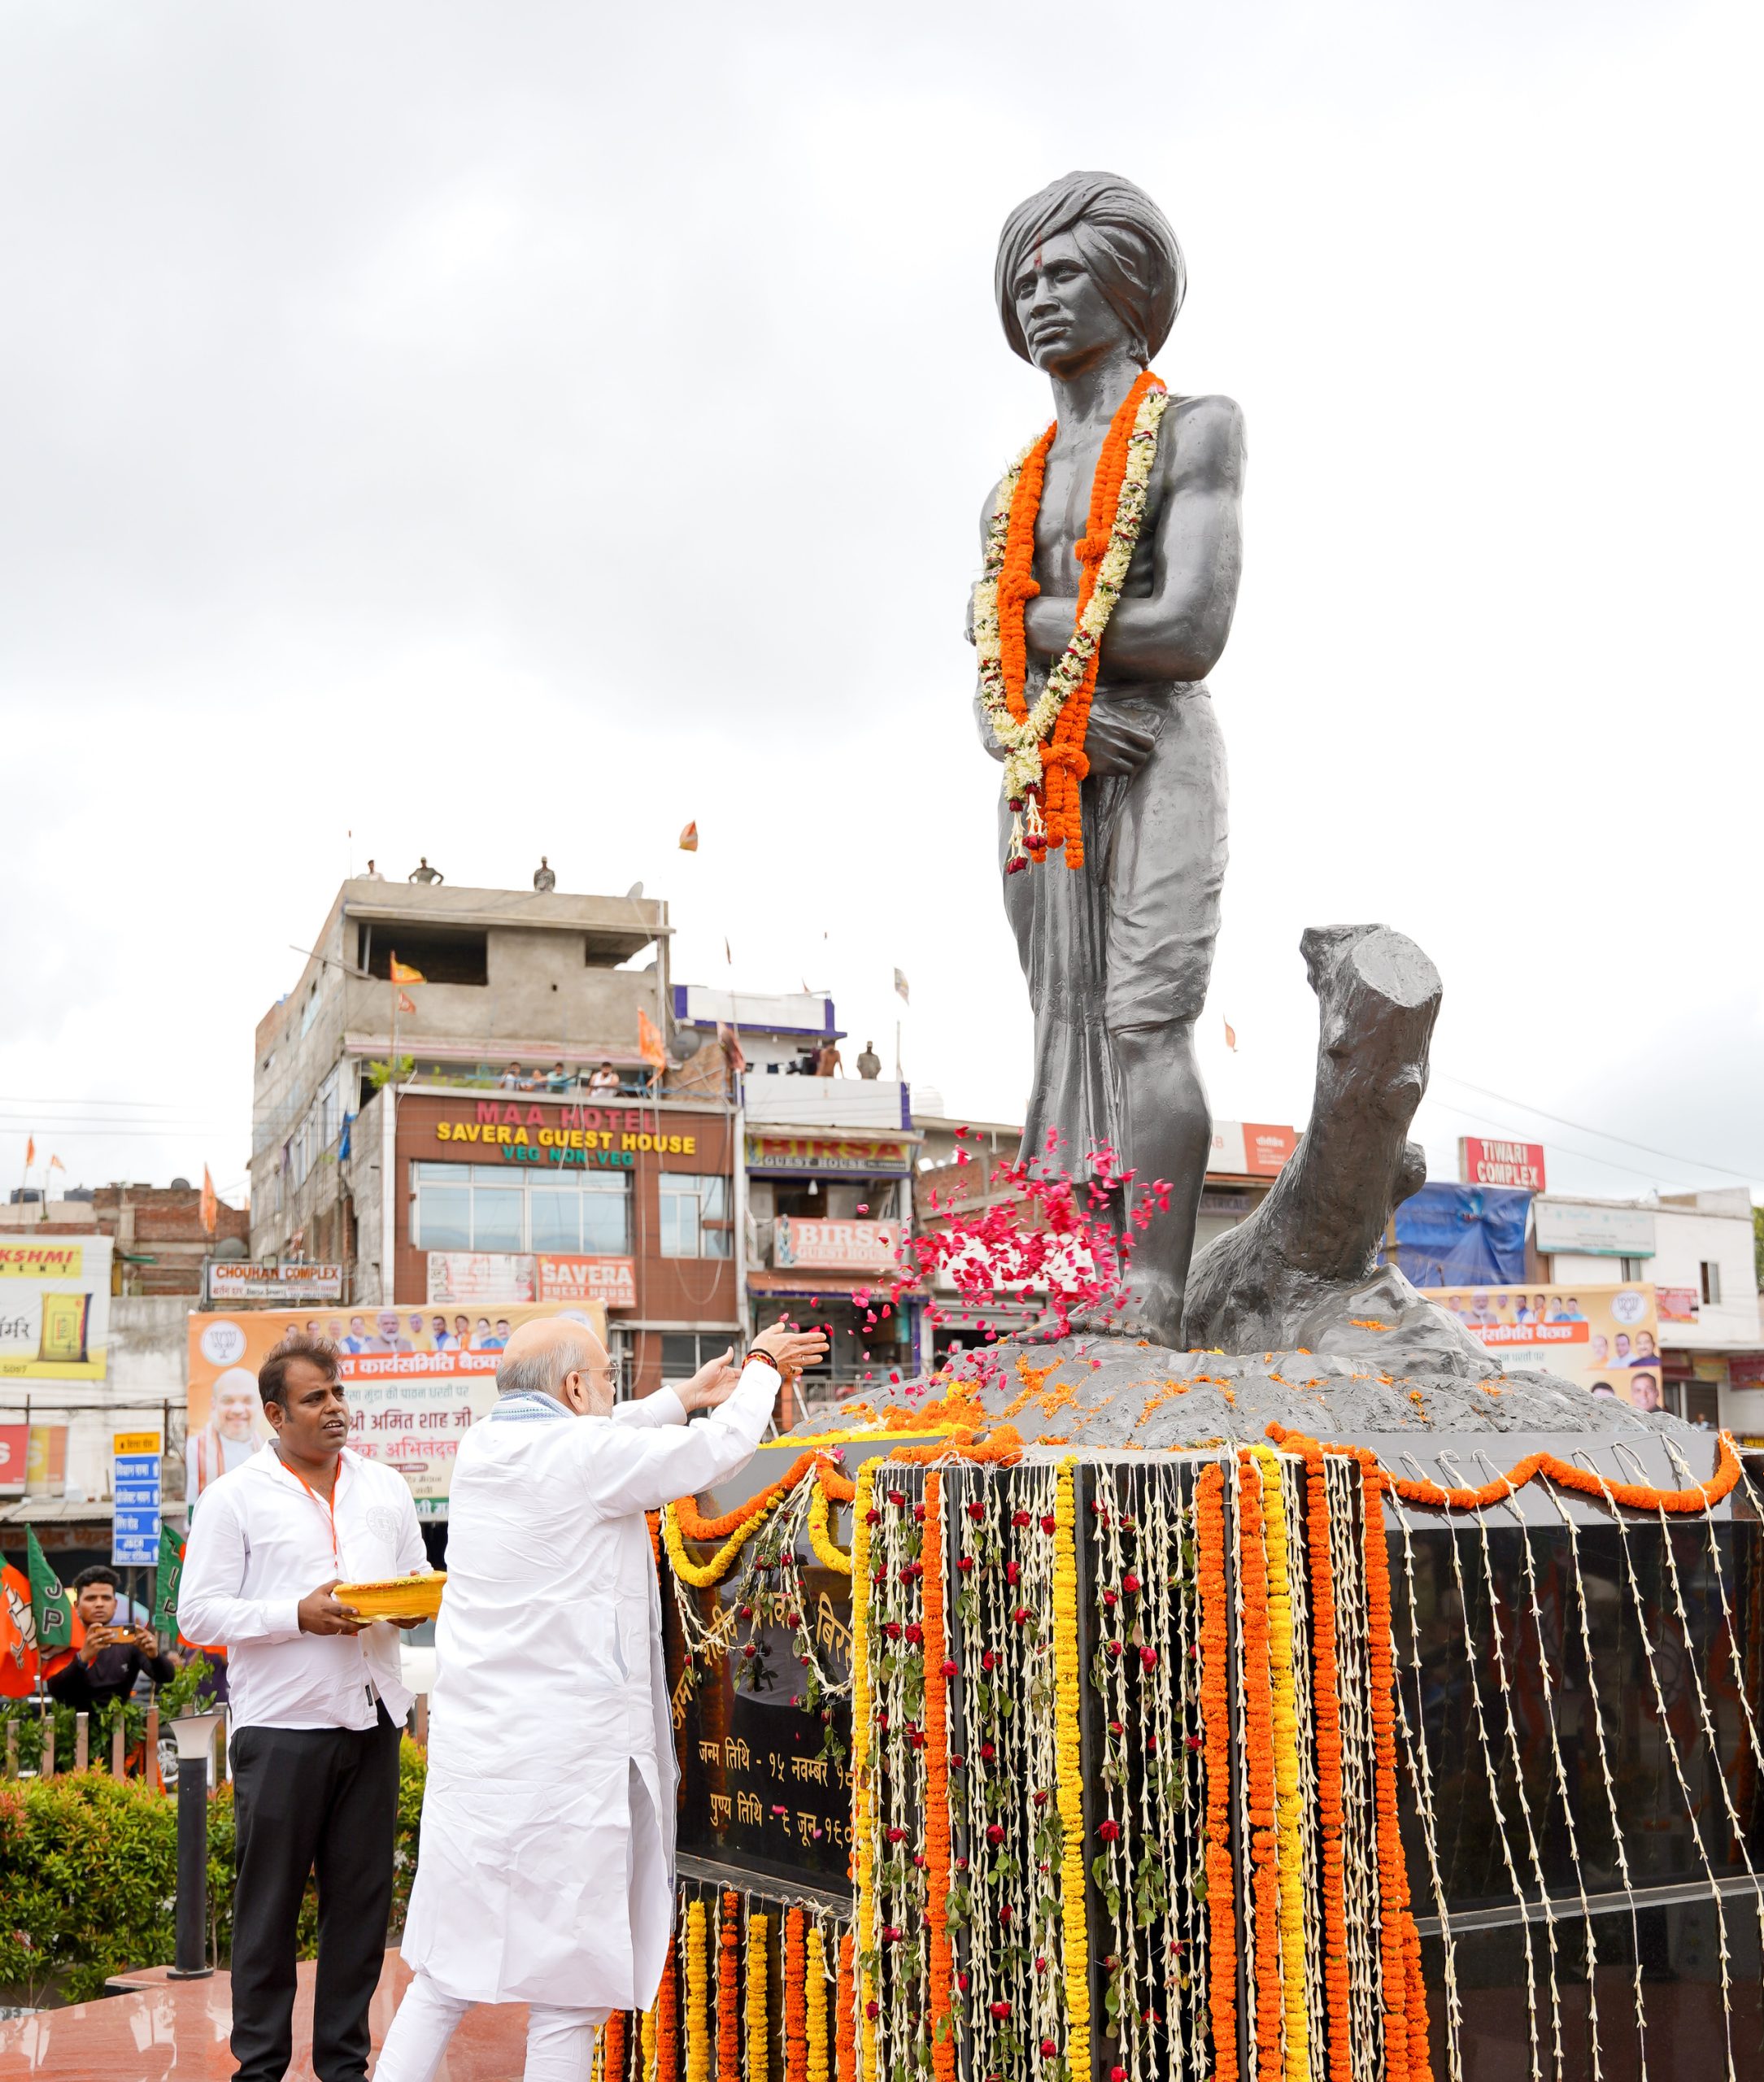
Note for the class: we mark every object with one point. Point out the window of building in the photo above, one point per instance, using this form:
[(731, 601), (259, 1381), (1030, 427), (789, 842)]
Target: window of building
[(1711, 1282), (695, 1215), (1634, 1269), (482, 1207), (449, 954), (684, 1352)]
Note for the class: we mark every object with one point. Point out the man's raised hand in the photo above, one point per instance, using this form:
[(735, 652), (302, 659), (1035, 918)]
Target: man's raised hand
[(792, 1350), (714, 1383)]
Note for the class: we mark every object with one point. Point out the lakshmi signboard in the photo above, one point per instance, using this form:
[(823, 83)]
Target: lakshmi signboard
[(417, 1379), (55, 1309), (1607, 1339)]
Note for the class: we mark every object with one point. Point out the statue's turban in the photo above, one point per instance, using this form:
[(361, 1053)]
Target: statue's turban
[(1126, 242)]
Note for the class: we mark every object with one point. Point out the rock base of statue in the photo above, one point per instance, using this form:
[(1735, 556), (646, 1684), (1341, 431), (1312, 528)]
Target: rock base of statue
[(1101, 1392)]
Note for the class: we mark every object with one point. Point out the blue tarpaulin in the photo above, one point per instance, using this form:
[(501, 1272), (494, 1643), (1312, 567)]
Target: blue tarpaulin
[(1452, 1235)]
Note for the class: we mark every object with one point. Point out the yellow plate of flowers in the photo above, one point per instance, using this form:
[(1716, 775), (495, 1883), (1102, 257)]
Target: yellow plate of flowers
[(395, 1597)]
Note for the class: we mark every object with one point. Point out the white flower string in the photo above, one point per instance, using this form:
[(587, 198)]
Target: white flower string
[(1246, 1889), (1682, 1470), (1127, 1830), (1359, 1816), (1516, 1758), (1421, 1777), (1672, 1746)]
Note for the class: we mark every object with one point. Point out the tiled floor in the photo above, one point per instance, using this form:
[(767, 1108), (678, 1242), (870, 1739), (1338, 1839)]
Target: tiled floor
[(180, 2029)]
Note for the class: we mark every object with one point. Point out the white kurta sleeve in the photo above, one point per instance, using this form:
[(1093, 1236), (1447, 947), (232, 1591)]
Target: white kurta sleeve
[(663, 1407), (640, 1468), (210, 1608)]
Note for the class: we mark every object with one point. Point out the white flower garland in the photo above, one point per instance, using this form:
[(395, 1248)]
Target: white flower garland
[(1023, 741)]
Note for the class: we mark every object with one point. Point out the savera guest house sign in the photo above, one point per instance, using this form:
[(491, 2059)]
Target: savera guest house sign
[(609, 1137)]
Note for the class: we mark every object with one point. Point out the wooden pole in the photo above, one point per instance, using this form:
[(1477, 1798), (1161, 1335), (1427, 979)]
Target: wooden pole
[(82, 1740), (422, 1719), (12, 1749), (48, 1742), (152, 1777), (119, 1763)]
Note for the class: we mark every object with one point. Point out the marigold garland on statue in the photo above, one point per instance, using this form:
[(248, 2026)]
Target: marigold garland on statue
[(1044, 761), (1328, 1743), (1393, 1877), (827, 1550)]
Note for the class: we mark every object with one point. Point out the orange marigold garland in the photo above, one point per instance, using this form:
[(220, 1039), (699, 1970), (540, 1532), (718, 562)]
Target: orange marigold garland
[(1216, 1726), (1326, 1711), (1393, 1873), (937, 1868), (613, 2046), (845, 2038), (795, 1997), (1258, 1750), (728, 2002)]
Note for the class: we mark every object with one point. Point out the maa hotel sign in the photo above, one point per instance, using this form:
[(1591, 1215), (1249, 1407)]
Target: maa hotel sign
[(580, 1137)]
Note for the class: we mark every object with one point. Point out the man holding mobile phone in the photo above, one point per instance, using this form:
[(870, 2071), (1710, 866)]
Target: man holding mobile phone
[(109, 1658)]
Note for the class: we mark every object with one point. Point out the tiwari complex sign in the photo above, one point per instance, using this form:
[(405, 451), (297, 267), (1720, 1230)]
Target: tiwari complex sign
[(1481, 1163)]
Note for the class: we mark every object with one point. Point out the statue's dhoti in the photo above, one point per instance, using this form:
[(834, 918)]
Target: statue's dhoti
[(1126, 940)]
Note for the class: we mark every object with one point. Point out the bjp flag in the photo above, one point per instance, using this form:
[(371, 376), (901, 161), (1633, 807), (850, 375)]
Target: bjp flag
[(18, 1635), (403, 972), (688, 838), (650, 1044), (211, 1203)]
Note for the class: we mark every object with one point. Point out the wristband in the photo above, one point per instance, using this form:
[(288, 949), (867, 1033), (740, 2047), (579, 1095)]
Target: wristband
[(765, 1359)]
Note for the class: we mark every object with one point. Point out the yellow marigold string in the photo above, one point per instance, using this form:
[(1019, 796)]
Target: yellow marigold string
[(758, 2024), (814, 2005), (698, 2014), (863, 1792), (646, 2046), (827, 1550), (704, 1575), (1289, 1805), (1068, 1700)]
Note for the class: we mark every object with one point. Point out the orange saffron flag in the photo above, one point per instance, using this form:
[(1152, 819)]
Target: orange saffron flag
[(650, 1044), (688, 838), (211, 1203), (403, 972)]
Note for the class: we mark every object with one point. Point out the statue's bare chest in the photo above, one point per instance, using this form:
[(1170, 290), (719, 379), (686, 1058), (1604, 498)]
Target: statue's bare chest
[(1065, 505)]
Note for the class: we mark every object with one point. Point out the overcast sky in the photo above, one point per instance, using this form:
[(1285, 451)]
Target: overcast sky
[(484, 431)]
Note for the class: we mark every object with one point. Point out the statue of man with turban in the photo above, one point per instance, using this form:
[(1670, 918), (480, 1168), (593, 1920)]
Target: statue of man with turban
[(1117, 951)]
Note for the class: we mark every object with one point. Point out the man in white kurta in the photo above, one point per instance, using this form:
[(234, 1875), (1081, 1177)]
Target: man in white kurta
[(546, 1870)]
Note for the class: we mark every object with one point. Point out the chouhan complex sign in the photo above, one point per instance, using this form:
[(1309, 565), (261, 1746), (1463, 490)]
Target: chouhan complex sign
[(1481, 1163)]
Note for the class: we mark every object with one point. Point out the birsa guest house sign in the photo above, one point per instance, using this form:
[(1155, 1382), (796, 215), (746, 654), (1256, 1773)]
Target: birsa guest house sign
[(594, 1137)]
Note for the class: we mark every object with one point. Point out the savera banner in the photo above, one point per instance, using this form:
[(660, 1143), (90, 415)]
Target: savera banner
[(55, 1309), (1606, 1337), (417, 1380)]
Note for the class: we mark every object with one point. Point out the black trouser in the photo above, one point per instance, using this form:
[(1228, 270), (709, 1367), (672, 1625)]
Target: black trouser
[(305, 1798)]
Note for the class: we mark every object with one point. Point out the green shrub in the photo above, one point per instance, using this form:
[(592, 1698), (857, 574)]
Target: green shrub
[(88, 1879)]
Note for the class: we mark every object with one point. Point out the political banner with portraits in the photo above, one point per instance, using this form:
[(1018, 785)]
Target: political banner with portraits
[(417, 1380), (1606, 1338)]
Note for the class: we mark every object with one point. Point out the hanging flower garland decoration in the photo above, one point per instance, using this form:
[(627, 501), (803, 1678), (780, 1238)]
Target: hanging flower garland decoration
[(1289, 1824), (845, 2047), (1044, 760), (796, 1995), (1215, 1643), (813, 2055), (613, 2046), (1258, 1749), (728, 1999), (697, 2016), (938, 1667), (1068, 1760), (758, 2023), (864, 2003)]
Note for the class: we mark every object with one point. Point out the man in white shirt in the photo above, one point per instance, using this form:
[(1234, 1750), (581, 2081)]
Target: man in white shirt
[(546, 1874), (318, 1702)]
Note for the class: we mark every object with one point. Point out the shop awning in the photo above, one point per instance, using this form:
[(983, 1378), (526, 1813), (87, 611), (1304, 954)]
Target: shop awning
[(797, 1281)]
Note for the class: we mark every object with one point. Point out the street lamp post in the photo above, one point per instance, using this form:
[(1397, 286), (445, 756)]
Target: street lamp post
[(195, 1735)]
